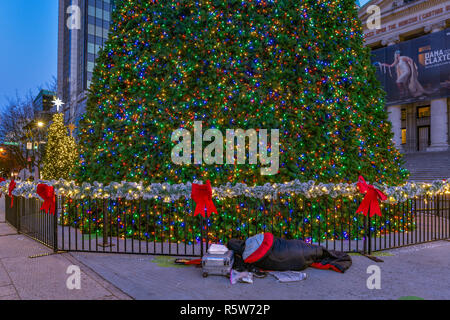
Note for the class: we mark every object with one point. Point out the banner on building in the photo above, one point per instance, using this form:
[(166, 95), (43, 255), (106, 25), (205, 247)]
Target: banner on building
[(415, 70)]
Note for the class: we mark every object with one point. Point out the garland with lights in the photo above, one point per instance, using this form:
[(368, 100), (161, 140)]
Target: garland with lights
[(168, 192), (310, 211)]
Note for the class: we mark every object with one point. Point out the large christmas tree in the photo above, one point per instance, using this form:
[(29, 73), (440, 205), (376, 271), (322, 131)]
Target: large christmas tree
[(296, 66)]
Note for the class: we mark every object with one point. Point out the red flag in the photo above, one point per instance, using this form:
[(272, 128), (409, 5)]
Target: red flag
[(48, 194), (202, 195), (12, 186), (371, 199)]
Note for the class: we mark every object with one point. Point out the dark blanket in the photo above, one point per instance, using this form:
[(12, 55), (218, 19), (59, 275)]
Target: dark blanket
[(285, 255)]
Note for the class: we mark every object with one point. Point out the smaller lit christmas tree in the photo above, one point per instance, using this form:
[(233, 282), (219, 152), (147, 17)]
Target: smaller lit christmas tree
[(60, 152)]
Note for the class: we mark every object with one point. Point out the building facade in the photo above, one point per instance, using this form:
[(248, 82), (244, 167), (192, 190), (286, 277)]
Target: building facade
[(410, 42), (83, 30), (43, 104)]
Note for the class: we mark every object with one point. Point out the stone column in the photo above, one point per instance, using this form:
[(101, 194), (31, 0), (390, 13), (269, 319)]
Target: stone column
[(411, 129), (395, 117), (438, 125)]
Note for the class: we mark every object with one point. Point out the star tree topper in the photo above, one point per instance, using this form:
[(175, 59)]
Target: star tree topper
[(58, 103)]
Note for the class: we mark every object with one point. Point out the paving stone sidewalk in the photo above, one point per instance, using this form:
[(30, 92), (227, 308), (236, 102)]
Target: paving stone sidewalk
[(44, 278), (420, 271)]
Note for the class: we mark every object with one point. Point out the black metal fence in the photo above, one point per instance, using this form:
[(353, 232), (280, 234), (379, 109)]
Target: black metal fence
[(11, 215), (169, 228), (25, 215)]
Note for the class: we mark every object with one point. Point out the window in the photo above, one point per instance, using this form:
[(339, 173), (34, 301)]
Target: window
[(99, 13), (91, 29), (99, 31), (90, 66), (91, 11), (91, 48), (423, 112), (403, 136), (91, 20), (403, 114)]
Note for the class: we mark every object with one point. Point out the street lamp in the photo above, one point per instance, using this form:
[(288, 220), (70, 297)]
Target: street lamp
[(37, 146)]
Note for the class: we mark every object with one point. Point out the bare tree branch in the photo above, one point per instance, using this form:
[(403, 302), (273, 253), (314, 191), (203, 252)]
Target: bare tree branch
[(13, 118)]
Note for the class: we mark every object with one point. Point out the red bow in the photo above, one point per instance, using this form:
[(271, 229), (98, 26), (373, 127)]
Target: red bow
[(370, 202), (12, 186), (48, 194), (202, 195)]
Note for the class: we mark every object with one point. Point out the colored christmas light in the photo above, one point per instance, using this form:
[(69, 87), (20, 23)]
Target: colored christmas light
[(296, 66)]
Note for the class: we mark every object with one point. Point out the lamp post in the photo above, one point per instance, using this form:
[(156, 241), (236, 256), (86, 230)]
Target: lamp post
[(33, 145), (40, 125)]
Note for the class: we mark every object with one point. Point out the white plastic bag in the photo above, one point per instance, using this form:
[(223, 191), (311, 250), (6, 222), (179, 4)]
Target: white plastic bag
[(289, 276), (245, 277)]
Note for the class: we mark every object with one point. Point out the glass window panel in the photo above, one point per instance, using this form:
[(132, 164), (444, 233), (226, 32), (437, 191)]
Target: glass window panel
[(91, 48), (91, 38), (403, 114), (91, 11), (91, 29), (423, 112), (90, 66), (99, 13), (99, 31), (403, 136)]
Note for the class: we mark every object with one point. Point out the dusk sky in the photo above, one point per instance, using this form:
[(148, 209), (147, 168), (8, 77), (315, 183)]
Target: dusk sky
[(28, 37)]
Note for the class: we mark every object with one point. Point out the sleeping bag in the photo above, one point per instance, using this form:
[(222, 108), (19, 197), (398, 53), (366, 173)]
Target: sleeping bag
[(268, 252)]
